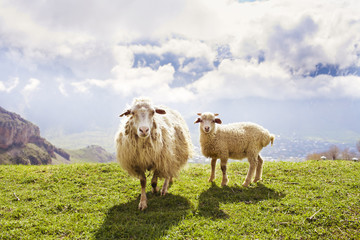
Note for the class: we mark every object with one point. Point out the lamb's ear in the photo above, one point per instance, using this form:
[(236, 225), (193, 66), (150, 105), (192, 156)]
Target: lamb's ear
[(160, 111), (125, 113), (197, 120), (218, 120)]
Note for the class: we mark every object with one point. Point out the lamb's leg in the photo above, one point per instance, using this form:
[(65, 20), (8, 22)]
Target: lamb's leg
[(213, 164), (143, 199), (154, 181), (165, 186), (259, 169), (253, 164), (225, 179)]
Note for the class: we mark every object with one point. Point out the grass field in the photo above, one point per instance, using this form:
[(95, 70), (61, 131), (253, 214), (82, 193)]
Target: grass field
[(308, 200)]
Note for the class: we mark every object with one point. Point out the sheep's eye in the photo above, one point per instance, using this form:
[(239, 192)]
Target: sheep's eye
[(213, 121)]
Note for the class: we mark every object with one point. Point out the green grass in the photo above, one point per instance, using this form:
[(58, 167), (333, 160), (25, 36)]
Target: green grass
[(308, 200)]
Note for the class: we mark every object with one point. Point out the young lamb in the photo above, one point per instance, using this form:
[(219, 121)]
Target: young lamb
[(235, 141), (153, 139)]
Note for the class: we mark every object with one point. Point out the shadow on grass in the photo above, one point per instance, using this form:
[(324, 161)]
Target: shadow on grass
[(125, 221), (209, 201)]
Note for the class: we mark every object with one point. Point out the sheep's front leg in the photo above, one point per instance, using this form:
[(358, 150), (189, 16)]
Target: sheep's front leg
[(165, 186), (213, 164), (225, 179), (252, 168), (143, 199), (259, 169), (154, 181)]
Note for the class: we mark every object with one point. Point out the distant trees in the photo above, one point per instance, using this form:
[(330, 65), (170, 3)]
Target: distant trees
[(314, 156), (334, 153), (347, 154)]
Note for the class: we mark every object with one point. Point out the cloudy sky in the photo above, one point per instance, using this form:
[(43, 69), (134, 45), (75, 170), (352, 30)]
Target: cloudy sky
[(292, 66)]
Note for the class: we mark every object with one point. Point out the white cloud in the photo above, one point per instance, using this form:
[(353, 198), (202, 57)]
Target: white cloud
[(273, 46), (31, 86), (139, 81), (325, 86), (9, 85), (29, 89), (181, 47), (241, 79), (61, 87), (128, 80)]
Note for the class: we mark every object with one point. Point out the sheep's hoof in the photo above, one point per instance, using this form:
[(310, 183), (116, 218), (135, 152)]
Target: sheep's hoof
[(224, 182), (142, 205), (257, 180), (163, 192), (211, 179), (155, 190), (245, 184)]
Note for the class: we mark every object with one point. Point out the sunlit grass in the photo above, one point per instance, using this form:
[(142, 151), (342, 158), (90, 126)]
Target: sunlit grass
[(99, 201)]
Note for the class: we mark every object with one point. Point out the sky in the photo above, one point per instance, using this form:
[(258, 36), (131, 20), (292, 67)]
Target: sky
[(291, 66)]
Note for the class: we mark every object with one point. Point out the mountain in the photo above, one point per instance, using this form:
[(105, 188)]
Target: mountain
[(21, 143), (92, 153)]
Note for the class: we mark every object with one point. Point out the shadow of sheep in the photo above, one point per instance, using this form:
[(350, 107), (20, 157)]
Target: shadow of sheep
[(125, 221), (209, 201)]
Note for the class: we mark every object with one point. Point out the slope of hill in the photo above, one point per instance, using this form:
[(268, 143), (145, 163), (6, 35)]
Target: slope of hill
[(307, 200), (91, 154), (21, 143)]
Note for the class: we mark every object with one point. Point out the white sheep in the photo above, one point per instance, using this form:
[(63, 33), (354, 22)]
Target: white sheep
[(153, 139), (235, 141)]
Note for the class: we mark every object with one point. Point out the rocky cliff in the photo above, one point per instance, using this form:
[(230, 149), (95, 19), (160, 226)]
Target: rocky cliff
[(21, 143)]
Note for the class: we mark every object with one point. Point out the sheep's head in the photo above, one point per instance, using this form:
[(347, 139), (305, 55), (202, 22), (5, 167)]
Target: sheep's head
[(142, 114), (207, 121)]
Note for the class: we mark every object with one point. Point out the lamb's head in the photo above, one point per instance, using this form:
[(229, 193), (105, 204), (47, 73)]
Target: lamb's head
[(207, 121), (142, 116)]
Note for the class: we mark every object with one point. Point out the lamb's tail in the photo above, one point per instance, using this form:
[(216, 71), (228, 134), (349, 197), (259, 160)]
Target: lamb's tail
[(272, 138)]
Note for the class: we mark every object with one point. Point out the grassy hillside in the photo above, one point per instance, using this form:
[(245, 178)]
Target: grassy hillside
[(89, 154), (308, 200)]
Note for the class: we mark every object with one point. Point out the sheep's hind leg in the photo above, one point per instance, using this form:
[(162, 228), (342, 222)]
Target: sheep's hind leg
[(259, 169), (213, 164), (154, 181), (252, 168), (143, 199), (165, 186), (225, 179)]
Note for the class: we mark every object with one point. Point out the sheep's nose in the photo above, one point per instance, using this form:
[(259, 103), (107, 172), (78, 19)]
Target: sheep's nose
[(144, 130), (207, 129)]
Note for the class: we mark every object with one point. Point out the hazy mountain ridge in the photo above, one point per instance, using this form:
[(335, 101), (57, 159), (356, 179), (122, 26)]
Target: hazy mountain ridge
[(21, 143), (92, 153)]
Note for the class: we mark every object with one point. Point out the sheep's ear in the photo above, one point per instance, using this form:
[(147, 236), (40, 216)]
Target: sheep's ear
[(197, 120), (216, 114), (125, 113), (199, 114), (218, 120), (160, 111)]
